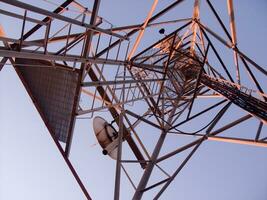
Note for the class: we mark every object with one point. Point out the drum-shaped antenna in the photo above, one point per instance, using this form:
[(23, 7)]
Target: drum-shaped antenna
[(107, 136)]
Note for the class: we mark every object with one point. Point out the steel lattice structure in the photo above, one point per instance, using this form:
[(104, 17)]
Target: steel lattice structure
[(84, 65)]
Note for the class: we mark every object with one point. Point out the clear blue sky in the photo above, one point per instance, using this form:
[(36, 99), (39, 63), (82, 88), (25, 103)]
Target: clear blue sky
[(31, 167)]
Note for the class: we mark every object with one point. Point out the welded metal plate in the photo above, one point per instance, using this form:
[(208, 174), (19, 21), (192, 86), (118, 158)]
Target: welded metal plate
[(52, 89)]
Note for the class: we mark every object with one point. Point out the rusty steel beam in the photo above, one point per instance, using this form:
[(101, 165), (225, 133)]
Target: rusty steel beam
[(126, 134), (82, 70)]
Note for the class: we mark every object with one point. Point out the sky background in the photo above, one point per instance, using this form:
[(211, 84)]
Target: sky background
[(31, 167)]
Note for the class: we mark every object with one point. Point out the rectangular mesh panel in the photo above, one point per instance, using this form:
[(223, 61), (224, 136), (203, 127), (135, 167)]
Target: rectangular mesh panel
[(52, 89)]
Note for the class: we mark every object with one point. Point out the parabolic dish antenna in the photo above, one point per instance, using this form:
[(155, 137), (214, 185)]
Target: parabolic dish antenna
[(106, 136)]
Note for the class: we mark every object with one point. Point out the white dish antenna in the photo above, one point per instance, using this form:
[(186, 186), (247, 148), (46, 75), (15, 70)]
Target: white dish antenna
[(107, 136)]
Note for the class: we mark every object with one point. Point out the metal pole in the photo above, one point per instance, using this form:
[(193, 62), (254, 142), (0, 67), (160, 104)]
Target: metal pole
[(121, 127), (180, 168), (233, 33), (142, 30), (4, 52), (144, 180), (102, 83), (118, 164)]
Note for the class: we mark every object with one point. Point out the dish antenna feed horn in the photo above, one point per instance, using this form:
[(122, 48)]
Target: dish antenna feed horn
[(106, 136)]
